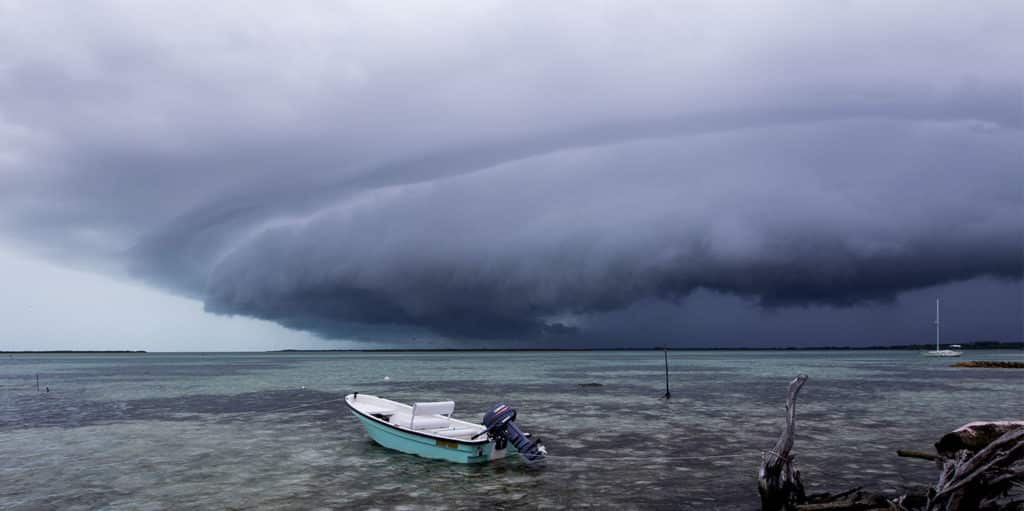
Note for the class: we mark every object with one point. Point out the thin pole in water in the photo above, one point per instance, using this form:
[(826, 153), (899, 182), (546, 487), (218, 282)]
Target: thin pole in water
[(668, 395), (936, 324), (37, 382)]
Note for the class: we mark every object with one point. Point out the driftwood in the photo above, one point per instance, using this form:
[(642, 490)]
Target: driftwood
[(778, 481), (852, 500), (917, 454), (981, 468), (984, 479), (974, 436)]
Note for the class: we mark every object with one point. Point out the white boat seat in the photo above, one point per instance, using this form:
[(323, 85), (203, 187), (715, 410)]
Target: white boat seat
[(422, 423), (431, 415)]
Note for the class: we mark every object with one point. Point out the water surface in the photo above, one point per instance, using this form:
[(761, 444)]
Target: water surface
[(269, 430)]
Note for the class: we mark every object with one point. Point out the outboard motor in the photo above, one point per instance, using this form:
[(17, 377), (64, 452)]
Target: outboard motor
[(502, 429)]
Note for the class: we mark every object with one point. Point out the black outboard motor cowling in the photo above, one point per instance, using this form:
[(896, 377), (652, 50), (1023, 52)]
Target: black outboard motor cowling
[(502, 428)]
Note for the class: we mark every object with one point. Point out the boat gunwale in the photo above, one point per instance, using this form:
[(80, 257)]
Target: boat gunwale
[(483, 441)]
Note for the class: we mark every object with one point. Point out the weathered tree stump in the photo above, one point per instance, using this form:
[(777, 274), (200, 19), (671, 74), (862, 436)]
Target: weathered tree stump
[(779, 480)]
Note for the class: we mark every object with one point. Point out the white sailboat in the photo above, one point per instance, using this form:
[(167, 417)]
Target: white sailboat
[(938, 351)]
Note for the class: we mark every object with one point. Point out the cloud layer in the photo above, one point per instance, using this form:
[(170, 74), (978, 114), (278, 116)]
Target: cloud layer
[(509, 170)]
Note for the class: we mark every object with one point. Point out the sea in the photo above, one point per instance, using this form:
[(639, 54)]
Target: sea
[(271, 430)]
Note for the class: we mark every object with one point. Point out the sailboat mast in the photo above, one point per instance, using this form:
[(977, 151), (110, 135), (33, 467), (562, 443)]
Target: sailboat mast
[(936, 324)]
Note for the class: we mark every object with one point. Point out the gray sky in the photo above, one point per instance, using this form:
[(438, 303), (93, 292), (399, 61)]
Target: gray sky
[(513, 173)]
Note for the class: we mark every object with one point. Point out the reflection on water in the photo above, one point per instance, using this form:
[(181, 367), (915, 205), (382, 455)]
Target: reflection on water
[(269, 430)]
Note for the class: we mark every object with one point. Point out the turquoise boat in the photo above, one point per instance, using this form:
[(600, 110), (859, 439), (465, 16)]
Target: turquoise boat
[(428, 430)]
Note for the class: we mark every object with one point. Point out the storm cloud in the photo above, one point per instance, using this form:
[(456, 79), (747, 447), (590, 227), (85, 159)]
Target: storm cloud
[(514, 170)]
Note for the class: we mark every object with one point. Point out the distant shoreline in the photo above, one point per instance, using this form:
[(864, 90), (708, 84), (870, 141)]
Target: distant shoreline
[(66, 352), (982, 345)]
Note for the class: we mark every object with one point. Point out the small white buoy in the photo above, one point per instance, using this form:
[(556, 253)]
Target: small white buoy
[(303, 387), (386, 378)]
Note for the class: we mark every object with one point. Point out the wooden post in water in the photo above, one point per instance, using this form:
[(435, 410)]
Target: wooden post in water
[(668, 394), (37, 382)]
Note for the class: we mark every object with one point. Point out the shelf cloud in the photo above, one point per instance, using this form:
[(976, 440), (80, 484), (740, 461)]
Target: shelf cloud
[(513, 170)]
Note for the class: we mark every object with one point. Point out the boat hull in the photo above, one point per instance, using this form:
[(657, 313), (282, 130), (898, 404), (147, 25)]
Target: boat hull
[(943, 353), (428, 446)]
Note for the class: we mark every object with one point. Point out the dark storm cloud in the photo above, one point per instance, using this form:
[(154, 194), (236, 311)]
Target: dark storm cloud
[(511, 170), (596, 230)]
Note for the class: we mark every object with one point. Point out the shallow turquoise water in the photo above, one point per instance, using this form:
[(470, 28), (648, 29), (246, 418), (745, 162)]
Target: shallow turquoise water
[(268, 430)]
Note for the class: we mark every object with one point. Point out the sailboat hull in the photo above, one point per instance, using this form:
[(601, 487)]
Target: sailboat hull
[(943, 353)]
